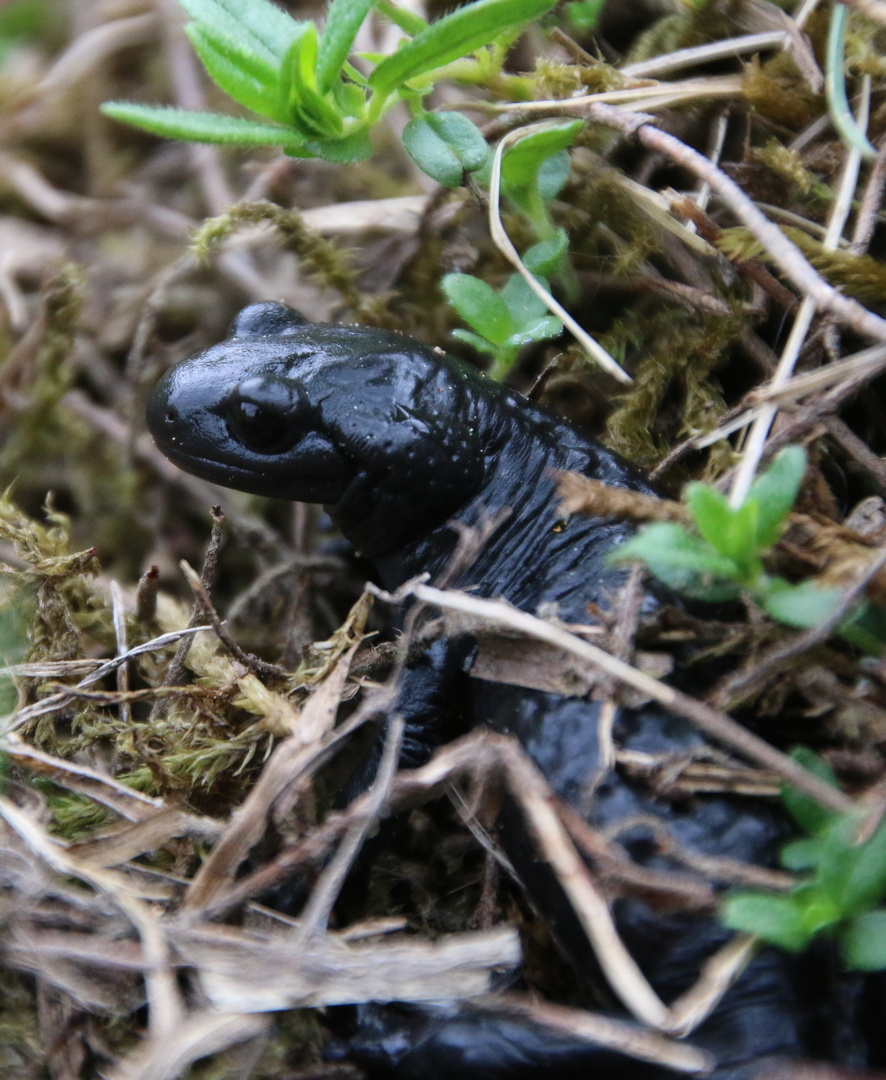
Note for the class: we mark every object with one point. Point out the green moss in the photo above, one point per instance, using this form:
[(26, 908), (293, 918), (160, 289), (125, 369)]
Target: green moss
[(682, 352)]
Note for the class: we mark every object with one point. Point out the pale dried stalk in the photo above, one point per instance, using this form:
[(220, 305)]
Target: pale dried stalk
[(759, 432), (716, 724), (786, 255), (164, 1000), (503, 243), (583, 495)]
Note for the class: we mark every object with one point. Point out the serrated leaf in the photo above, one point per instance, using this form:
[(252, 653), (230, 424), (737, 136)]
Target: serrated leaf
[(258, 24), (521, 163), (801, 606), (774, 918), (684, 562), (343, 20), (863, 941), (445, 146), (206, 127), (775, 492), (243, 76), (480, 306), (546, 258), (808, 813), (455, 35)]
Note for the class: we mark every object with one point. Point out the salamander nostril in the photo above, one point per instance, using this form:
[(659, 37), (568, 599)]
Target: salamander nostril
[(171, 414)]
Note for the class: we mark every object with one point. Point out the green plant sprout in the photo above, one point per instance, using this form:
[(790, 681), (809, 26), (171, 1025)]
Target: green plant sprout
[(504, 321), (723, 561), (534, 171), (840, 892), (320, 105)]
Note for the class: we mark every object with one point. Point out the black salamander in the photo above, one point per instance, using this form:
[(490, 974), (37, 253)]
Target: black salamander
[(397, 440)]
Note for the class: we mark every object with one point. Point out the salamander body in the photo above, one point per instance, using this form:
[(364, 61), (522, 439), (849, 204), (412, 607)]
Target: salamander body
[(397, 440)]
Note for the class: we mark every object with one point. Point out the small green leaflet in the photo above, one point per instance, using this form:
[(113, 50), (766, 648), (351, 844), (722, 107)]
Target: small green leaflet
[(206, 127), (455, 35)]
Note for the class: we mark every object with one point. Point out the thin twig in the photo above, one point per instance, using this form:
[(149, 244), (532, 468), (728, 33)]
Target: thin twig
[(787, 256), (503, 242), (714, 723), (859, 449), (315, 916), (705, 54), (176, 670), (760, 429), (15, 720), (207, 611), (744, 683), (119, 618)]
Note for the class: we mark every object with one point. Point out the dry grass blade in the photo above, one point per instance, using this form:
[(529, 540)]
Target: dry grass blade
[(130, 804), (599, 1030), (716, 724), (241, 972), (195, 1037), (291, 760), (786, 255), (582, 495)]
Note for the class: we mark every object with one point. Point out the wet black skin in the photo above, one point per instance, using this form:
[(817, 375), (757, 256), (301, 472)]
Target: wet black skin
[(396, 440)]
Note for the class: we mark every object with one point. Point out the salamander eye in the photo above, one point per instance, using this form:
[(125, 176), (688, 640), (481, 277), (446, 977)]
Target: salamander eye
[(267, 416), (262, 430)]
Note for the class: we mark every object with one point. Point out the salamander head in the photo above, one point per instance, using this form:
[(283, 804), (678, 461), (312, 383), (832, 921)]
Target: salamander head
[(372, 424)]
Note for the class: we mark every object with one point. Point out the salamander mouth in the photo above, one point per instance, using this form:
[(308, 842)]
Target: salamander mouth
[(316, 472)]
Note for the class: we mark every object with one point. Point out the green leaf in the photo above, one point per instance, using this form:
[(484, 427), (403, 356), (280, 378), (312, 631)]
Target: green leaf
[(584, 14), (802, 606), (521, 163), (684, 562), (800, 855), (343, 20), (539, 330), (355, 146), (546, 258), (350, 99), (710, 512), (865, 628), (408, 21), (206, 127), (553, 174), (864, 886), (261, 26), (445, 145), (455, 35), (243, 76), (731, 532), (522, 302), (475, 341), (775, 492), (298, 87), (819, 909), (864, 942), (480, 306), (773, 918), (808, 813)]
